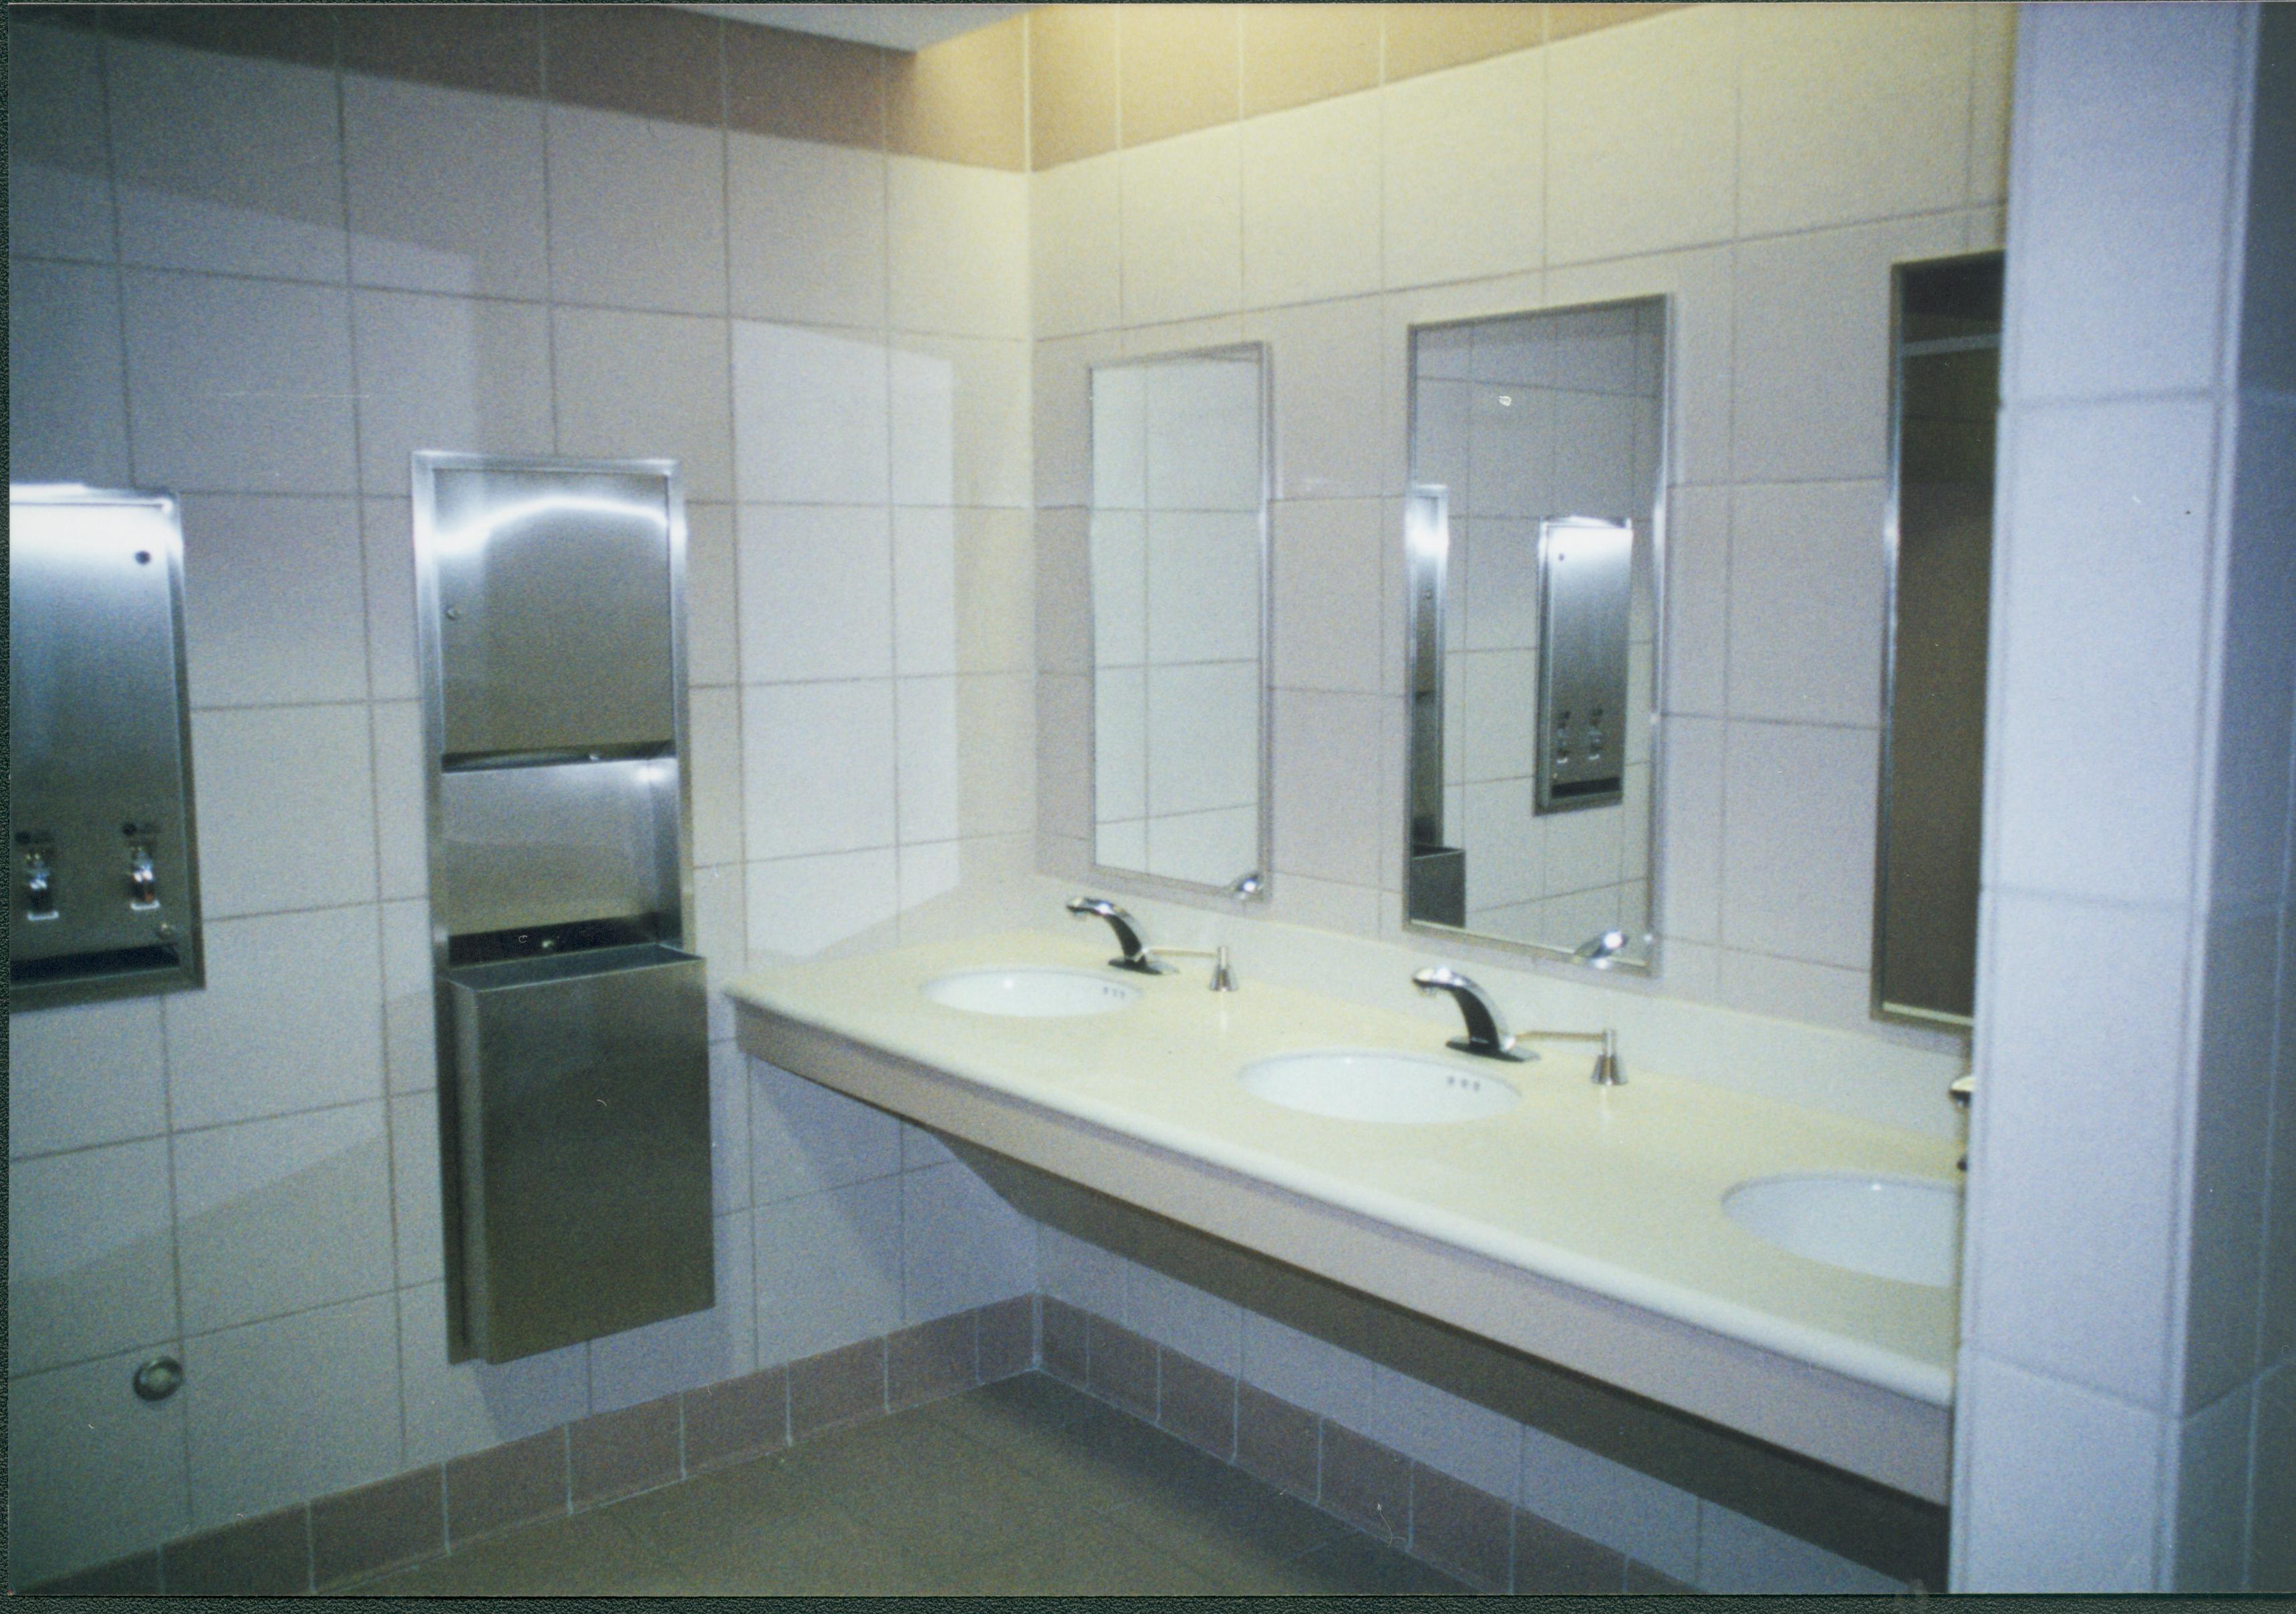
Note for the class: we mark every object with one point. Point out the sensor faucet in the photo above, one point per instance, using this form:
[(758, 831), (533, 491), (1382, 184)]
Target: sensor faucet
[(1138, 958), (1487, 1032)]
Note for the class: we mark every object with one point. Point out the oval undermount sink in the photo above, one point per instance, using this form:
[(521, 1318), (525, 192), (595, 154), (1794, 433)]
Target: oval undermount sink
[(1030, 993), (1905, 1228), (1401, 1089)]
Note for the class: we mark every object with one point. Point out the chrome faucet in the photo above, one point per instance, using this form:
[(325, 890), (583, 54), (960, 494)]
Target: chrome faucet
[(1137, 955), (1487, 1031), (1597, 950)]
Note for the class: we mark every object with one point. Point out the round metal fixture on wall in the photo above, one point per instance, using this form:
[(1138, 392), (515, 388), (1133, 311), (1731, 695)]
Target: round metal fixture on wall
[(159, 1378)]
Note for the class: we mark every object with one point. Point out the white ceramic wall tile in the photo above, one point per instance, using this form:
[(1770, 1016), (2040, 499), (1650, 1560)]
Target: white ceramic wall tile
[(996, 784), (832, 272), (1060, 386), (239, 386), (1852, 112), (280, 1216), (454, 1410), (286, 809), (1308, 1372), (1806, 602), (2143, 239), (1994, 50), (59, 171), (799, 907), (1738, 1554), (1698, 286), (2098, 676), (994, 601), (92, 1074), (925, 573), (962, 1246), (2252, 787), (925, 721), (1183, 227), (810, 414), (641, 1364), (818, 762), (1312, 202), (816, 593), (1471, 1443), (1645, 1518), (1789, 989), (462, 373), (1072, 235), (1203, 737), (1330, 812), (1080, 1273), (269, 1424), (1119, 431), (1697, 600), (409, 1028), (1183, 1317), (1642, 143), (712, 608), (92, 1474), (1798, 846), (637, 212), (729, 1128), (829, 1269), (2075, 1142), (633, 386), (719, 929), (2210, 1481), (274, 600), (1064, 756), (1463, 163), (268, 1035), (446, 189), (1331, 441), (960, 422), (1207, 849), (91, 1255), (68, 411), (805, 1138), (418, 1233), (957, 248), (2021, 1528), (225, 163), (714, 732), (386, 534), (1331, 569)]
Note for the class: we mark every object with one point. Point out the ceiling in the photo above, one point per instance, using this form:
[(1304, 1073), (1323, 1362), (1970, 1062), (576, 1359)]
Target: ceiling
[(900, 27)]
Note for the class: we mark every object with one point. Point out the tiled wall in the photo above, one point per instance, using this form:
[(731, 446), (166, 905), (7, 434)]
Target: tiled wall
[(1761, 165), (260, 277), (2130, 1299)]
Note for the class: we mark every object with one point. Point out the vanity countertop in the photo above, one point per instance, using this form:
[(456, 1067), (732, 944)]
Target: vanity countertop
[(1615, 1191)]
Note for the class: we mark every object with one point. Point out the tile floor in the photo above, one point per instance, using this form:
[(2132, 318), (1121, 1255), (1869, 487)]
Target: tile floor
[(1017, 1488)]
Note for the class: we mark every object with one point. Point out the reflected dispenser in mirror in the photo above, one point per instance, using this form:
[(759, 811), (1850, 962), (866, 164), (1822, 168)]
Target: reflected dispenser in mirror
[(574, 1092)]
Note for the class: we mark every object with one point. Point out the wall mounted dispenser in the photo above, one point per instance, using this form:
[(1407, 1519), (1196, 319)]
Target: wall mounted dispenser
[(1586, 581), (103, 891), (573, 1040)]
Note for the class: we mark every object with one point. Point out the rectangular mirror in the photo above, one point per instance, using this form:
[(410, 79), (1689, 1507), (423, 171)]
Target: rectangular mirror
[(1532, 538), (1945, 393), (1179, 618)]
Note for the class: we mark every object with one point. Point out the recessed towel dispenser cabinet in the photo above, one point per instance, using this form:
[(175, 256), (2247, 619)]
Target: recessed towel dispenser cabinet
[(103, 888), (574, 1079), (1586, 582)]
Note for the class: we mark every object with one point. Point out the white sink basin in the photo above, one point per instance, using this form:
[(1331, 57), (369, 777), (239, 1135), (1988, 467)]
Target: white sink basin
[(1404, 1088), (1905, 1228), (1030, 993)]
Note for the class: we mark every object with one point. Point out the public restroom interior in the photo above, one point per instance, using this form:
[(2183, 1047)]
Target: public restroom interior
[(261, 255)]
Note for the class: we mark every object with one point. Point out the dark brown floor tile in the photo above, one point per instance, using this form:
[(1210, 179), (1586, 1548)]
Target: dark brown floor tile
[(1219, 1518), (1008, 1338), (945, 1498), (1357, 1566), (737, 1420), (648, 61), (1065, 1341), (1091, 1559), (1459, 1529), (1549, 1560), (611, 1455), (1366, 1484), (1276, 1440), (495, 49), (836, 1389), (265, 1557), (505, 1486), (1120, 1367), (590, 1554), (1642, 1577), (931, 1361), (385, 1525), (135, 1576), (1197, 1404)]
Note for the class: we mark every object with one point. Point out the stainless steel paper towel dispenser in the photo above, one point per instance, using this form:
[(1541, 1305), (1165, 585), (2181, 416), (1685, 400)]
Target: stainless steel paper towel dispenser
[(573, 1040), (104, 889)]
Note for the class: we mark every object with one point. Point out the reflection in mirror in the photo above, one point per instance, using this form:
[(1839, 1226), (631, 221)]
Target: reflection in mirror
[(1945, 395), (1531, 535), (1180, 589)]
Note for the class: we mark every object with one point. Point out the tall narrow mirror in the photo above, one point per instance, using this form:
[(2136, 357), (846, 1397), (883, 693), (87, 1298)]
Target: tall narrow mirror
[(1179, 604), (1946, 392), (1532, 536)]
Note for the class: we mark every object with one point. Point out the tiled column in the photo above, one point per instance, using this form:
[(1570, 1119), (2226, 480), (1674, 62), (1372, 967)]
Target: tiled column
[(2129, 1309)]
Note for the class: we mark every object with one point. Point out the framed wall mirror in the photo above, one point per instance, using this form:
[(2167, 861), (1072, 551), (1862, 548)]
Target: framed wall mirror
[(1945, 347), (1179, 564), (1533, 537)]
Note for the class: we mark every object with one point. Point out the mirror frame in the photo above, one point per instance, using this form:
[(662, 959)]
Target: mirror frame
[(1669, 327), (1264, 872)]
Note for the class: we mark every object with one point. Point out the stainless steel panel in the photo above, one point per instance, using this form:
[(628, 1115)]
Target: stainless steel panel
[(555, 611), (581, 1132), (1427, 552), (1586, 594), (558, 845), (103, 893)]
